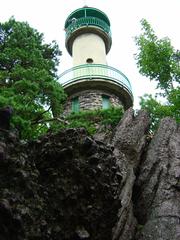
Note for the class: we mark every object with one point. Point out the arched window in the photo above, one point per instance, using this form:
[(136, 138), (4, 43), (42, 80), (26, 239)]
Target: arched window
[(75, 104), (105, 102)]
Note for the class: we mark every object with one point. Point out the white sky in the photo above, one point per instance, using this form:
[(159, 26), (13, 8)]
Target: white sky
[(48, 17)]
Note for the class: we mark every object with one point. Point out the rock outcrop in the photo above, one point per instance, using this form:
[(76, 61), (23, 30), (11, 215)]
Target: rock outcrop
[(157, 188), (129, 142), (70, 186)]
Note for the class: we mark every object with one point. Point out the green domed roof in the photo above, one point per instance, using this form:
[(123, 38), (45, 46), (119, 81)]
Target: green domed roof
[(87, 12)]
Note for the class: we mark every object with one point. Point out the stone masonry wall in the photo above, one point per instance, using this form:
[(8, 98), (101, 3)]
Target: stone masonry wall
[(89, 100)]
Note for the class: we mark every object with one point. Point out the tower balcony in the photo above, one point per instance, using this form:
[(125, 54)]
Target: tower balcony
[(87, 20), (98, 77)]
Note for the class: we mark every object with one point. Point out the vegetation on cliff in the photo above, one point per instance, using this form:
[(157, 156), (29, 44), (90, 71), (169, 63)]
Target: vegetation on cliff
[(93, 121)]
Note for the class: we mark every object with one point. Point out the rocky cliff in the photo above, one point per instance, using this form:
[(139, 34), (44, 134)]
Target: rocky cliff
[(69, 186)]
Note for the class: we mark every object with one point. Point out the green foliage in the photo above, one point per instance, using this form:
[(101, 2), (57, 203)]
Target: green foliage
[(158, 60), (28, 77), (158, 111), (92, 120)]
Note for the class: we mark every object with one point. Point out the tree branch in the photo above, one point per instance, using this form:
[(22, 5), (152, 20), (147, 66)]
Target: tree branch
[(41, 121)]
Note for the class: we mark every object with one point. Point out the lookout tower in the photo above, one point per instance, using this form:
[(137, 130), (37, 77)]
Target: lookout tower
[(91, 83)]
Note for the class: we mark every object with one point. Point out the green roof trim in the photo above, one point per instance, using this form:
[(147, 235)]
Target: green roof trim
[(87, 12)]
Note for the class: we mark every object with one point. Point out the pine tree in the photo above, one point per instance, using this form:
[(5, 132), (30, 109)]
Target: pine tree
[(28, 77)]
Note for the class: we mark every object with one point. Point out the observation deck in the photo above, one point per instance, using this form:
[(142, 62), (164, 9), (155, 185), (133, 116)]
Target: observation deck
[(87, 20), (97, 76)]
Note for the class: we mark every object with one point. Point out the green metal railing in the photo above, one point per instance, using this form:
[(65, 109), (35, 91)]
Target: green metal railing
[(87, 21), (95, 71)]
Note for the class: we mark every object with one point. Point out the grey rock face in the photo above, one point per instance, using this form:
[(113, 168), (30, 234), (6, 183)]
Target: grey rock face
[(158, 186), (130, 135), (129, 141)]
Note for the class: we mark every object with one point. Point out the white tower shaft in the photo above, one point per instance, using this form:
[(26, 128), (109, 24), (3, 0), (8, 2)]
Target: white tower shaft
[(88, 48)]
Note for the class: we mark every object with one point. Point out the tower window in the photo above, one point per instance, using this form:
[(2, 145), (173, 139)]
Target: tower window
[(89, 60), (105, 102), (75, 104)]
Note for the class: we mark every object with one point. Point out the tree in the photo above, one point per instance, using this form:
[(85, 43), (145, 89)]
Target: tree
[(28, 77), (158, 60)]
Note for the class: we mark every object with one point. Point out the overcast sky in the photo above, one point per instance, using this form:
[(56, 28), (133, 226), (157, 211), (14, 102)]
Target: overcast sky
[(48, 17)]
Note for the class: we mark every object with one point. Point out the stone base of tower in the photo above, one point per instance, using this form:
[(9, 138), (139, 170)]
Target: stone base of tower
[(91, 100)]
